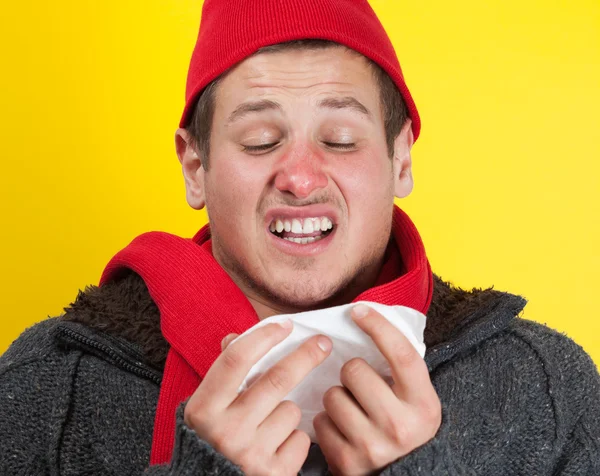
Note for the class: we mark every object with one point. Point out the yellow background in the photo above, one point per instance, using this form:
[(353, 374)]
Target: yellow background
[(507, 166)]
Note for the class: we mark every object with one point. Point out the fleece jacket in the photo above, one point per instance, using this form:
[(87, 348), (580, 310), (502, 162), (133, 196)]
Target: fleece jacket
[(78, 393)]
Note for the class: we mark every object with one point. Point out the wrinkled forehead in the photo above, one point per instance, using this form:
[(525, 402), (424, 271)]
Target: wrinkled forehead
[(301, 73)]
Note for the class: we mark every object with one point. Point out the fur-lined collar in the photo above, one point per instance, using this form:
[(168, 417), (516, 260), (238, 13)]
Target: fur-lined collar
[(124, 309)]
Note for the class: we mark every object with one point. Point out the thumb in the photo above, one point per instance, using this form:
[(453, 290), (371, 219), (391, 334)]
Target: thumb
[(227, 340)]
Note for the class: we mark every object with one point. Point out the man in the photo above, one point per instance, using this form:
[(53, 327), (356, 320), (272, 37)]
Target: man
[(296, 136)]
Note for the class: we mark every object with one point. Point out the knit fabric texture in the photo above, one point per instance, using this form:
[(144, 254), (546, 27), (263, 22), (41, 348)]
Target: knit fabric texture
[(232, 30), (195, 317), (518, 398)]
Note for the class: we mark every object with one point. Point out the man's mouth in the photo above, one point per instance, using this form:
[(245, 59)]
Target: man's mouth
[(302, 230)]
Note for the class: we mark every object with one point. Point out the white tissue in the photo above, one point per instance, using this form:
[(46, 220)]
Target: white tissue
[(349, 341)]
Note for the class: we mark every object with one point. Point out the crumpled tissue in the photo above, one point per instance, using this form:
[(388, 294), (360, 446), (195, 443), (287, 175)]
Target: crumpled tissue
[(349, 341)]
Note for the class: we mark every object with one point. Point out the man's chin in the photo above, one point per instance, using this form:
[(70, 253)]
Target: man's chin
[(297, 296)]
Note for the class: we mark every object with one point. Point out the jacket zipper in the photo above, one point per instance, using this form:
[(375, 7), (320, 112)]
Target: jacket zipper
[(114, 356)]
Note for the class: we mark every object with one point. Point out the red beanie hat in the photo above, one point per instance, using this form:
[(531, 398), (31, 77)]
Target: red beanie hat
[(232, 30)]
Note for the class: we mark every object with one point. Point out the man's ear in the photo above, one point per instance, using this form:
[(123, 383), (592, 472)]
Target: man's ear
[(402, 162), (191, 165)]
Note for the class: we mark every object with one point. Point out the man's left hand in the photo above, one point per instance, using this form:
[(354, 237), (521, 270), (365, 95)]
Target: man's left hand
[(367, 424)]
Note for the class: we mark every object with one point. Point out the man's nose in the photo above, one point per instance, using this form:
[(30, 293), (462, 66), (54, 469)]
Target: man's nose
[(301, 173)]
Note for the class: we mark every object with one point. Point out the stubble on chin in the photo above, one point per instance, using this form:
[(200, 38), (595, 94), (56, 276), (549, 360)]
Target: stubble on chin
[(303, 288)]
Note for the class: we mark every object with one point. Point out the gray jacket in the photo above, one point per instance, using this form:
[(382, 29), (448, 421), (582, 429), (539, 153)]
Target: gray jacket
[(78, 393)]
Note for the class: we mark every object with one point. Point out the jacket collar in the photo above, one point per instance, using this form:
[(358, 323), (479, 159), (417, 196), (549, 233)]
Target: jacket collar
[(121, 316)]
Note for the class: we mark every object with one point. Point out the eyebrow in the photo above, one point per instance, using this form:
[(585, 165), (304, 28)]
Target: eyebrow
[(254, 106), (347, 102)]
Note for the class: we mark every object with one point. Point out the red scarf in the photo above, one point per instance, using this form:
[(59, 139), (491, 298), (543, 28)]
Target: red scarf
[(199, 304)]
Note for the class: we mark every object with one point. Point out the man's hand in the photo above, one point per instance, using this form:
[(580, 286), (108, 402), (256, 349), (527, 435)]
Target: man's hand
[(367, 424), (256, 429)]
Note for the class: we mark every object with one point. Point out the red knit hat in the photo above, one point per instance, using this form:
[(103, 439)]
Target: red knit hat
[(232, 30)]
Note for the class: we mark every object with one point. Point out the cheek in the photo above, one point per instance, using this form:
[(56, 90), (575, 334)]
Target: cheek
[(367, 181), (367, 187), (233, 189)]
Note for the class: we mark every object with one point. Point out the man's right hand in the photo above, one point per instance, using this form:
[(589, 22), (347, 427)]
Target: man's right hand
[(256, 429)]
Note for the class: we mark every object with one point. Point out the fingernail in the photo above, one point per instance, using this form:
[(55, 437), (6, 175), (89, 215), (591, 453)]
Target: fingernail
[(359, 311), (287, 324), (324, 344), (226, 340)]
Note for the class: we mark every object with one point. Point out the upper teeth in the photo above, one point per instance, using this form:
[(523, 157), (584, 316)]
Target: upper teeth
[(301, 225)]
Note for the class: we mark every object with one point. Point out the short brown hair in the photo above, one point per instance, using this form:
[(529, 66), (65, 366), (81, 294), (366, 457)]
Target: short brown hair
[(393, 106)]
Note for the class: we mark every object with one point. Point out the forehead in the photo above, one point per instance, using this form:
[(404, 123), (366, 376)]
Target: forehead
[(297, 73)]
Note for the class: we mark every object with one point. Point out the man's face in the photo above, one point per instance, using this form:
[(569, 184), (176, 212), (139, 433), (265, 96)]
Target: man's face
[(300, 188)]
